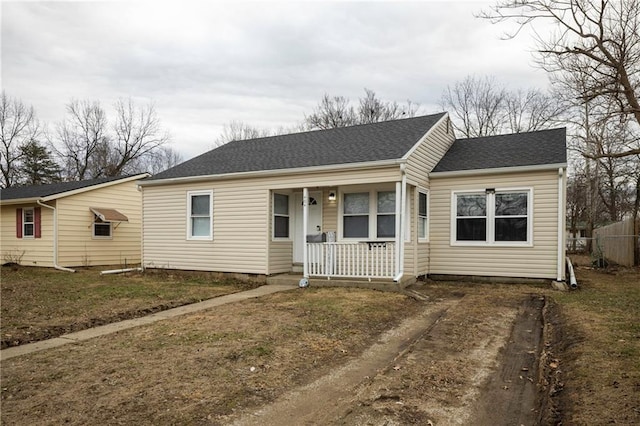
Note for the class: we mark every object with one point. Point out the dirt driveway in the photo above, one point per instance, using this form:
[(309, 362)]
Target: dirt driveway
[(305, 357), (440, 366)]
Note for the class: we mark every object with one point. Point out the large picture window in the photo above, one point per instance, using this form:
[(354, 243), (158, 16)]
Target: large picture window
[(200, 215), (280, 216), (492, 217)]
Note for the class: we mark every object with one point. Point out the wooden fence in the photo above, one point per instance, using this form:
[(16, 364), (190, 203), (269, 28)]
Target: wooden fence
[(617, 242)]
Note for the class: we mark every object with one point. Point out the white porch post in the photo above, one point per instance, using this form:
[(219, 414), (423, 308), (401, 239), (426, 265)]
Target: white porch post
[(305, 222), (401, 203), (398, 228)]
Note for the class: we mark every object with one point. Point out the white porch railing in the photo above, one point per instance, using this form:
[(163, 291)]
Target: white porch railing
[(374, 259)]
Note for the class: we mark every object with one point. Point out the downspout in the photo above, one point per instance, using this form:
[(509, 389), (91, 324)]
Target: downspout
[(400, 224), (305, 223), (55, 237), (561, 259)]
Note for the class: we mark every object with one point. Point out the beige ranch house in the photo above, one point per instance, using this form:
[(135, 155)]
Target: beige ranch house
[(62, 225), (388, 201)]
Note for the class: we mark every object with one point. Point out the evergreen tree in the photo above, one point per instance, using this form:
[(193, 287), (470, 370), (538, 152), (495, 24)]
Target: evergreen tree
[(38, 166)]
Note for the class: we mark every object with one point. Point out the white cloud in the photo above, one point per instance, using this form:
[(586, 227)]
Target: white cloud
[(265, 63)]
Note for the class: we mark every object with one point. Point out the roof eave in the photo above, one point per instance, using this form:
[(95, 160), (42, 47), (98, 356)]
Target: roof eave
[(498, 170), (29, 200), (276, 172), (94, 187)]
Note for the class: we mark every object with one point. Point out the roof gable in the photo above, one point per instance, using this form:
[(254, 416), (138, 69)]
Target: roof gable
[(60, 188), (346, 145), (537, 148)]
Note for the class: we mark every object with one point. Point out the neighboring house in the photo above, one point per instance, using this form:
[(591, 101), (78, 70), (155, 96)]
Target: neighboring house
[(392, 200), (86, 223)]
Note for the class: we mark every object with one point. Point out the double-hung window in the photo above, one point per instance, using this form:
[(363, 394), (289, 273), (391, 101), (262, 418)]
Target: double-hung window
[(200, 215), (280, 216), (386, 219), (423, 228), (28, 223), (496, 217), (356, 215)]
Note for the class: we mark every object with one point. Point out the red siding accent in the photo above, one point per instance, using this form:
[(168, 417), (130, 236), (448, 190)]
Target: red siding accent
[(18, 223), (37, 222)]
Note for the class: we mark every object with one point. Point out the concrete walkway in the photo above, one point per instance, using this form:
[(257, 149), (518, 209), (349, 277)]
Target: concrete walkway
[(90, 333)]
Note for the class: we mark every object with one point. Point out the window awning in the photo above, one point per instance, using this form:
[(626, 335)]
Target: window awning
[(109, 215)]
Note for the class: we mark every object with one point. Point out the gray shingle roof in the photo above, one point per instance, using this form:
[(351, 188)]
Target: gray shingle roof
[(512, 150), (368, 142), (41, 191)]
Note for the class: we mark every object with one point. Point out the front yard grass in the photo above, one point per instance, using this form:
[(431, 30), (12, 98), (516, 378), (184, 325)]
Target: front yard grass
[(41, 303), (601, 358)]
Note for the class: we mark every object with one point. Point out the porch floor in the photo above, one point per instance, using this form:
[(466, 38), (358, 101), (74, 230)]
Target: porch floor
[(375, 284)]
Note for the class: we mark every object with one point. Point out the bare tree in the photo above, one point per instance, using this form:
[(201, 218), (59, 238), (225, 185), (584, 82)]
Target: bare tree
[(331, 112), (238, 131), (83, 139), (18, 126), (337, 111), (138, 133), (598, 40), (159, 160), (479, 106)]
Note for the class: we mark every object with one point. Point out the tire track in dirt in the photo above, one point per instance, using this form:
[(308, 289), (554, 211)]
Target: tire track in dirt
[(332, 395)]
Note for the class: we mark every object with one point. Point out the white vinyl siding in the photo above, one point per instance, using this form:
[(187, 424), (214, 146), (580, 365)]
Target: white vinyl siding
[(32, 251), (243, 226), (536, 260)]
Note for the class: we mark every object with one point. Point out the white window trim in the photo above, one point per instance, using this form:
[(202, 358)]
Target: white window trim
[(373, 213), (190, 194), (101, 237), (490, 241), (273, 215), (424, 239), (25, 223)]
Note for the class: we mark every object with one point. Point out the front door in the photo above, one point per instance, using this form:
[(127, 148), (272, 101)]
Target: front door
[(314, 226)]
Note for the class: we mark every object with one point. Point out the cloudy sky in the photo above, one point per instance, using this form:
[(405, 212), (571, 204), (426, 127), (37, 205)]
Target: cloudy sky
[(265, 63)]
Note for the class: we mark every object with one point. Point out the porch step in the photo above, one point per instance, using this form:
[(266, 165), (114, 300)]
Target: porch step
[(294, 279)]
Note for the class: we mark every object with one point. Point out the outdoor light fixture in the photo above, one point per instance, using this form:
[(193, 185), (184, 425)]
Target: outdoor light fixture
[(490, 190), (332, 196)]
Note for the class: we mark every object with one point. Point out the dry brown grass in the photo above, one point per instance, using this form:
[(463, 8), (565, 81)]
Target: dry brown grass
[(199, 368), (40, 303)]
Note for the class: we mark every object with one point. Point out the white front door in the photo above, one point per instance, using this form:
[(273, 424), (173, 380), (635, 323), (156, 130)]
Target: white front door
[(314, 225)]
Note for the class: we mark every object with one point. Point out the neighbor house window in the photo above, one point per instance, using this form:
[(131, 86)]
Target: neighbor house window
[(422, 216), (492, 216), (280, 216), (200, 215), (101, 229), (28, 223)]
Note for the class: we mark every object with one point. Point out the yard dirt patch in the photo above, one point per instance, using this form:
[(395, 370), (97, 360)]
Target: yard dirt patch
[(43, 303), (483, 354), (331, 356)]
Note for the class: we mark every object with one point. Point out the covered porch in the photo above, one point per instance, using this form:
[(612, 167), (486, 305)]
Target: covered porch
[(346, 231)]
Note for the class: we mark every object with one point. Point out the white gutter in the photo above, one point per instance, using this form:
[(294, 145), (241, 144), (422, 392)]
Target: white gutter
[(497, 170), (55, 237), (400, 216), (560, 225), (263, 173)]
